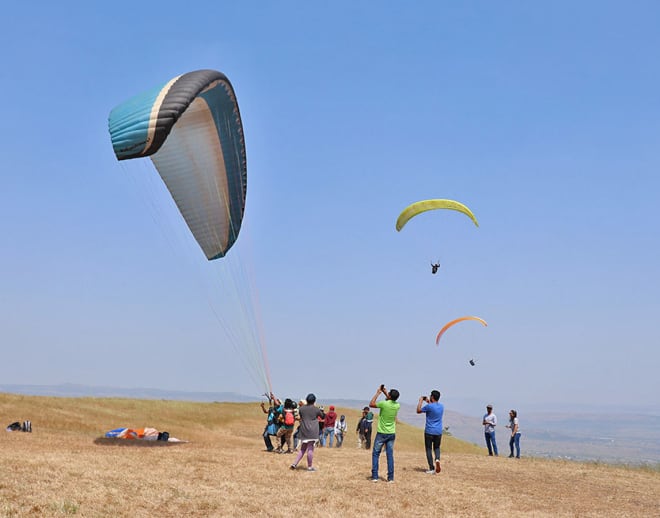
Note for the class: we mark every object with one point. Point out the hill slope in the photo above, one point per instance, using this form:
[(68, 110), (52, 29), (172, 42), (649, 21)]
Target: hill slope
[(59, 470)]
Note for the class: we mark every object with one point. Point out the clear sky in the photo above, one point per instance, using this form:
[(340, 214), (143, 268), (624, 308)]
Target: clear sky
[(544, 118)]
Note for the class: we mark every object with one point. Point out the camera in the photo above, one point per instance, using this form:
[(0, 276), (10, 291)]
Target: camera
[(424, 398)]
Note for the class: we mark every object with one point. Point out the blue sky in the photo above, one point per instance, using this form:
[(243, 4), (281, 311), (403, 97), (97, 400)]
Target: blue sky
[(543, 119)]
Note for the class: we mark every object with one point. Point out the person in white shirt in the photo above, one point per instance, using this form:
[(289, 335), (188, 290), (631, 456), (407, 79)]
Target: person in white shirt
[(340, 430), (490, 422)]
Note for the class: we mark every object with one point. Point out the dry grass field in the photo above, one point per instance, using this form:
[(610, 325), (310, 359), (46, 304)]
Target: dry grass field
[(59, 470)]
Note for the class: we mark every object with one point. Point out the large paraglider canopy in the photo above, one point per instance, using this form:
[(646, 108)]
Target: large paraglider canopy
[(425, 205), (191, 128), (454, 322)]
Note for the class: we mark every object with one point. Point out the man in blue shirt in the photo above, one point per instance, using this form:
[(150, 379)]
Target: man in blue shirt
[(434, 411)]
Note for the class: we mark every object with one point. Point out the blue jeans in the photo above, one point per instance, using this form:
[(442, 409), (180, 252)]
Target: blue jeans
[(387, 440), (515, 440), (267, 441), (490, 440), (326, 432)]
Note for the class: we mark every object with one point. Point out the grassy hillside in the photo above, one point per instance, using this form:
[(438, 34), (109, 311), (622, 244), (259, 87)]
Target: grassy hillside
[(60, 470)]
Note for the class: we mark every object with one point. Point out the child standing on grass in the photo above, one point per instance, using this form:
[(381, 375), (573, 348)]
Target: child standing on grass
[(309, 431)]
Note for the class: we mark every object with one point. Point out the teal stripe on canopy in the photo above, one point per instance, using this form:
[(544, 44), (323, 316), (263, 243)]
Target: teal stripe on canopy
[(129, 124)]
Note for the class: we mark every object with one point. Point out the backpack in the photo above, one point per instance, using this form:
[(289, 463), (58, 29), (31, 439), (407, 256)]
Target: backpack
[(289, 418), (14, 427)]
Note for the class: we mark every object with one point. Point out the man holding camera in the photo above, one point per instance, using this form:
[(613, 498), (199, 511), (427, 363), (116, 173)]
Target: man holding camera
[(434, 411), (386, 431)]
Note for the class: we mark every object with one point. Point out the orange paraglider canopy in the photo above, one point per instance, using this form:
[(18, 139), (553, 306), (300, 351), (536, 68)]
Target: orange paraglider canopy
[(453, 322)]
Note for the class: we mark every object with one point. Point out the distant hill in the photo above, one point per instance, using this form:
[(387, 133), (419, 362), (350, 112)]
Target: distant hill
[(73, 390), (620, 437)]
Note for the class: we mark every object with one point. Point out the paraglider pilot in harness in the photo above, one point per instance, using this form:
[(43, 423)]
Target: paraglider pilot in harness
[(434, 267)]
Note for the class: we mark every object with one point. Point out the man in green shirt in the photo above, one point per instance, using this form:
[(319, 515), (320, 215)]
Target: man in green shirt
[(386, 431)]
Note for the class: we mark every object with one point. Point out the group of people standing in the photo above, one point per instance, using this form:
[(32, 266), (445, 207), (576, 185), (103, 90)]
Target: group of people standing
[(332, 426), (490, 422), (318, 427), (282, 418)]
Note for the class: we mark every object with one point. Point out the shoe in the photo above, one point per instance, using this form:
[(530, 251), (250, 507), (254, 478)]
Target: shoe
[(311, 469), (374, 479), (430, 472), (390, 481), (511, 456), (293, 466), (438, 469), (517, 457)]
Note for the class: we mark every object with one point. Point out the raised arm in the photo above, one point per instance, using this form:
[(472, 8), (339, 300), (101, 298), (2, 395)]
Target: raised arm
[(372, 403)]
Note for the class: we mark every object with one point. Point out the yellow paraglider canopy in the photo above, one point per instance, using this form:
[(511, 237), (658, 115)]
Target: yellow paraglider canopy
[(422, 206)]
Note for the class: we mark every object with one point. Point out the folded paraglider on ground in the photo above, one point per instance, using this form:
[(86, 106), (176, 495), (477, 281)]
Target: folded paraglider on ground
[(141, 434)]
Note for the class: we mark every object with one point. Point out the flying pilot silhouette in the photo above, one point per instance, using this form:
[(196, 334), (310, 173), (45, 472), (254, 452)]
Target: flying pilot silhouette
[(434, 267)]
